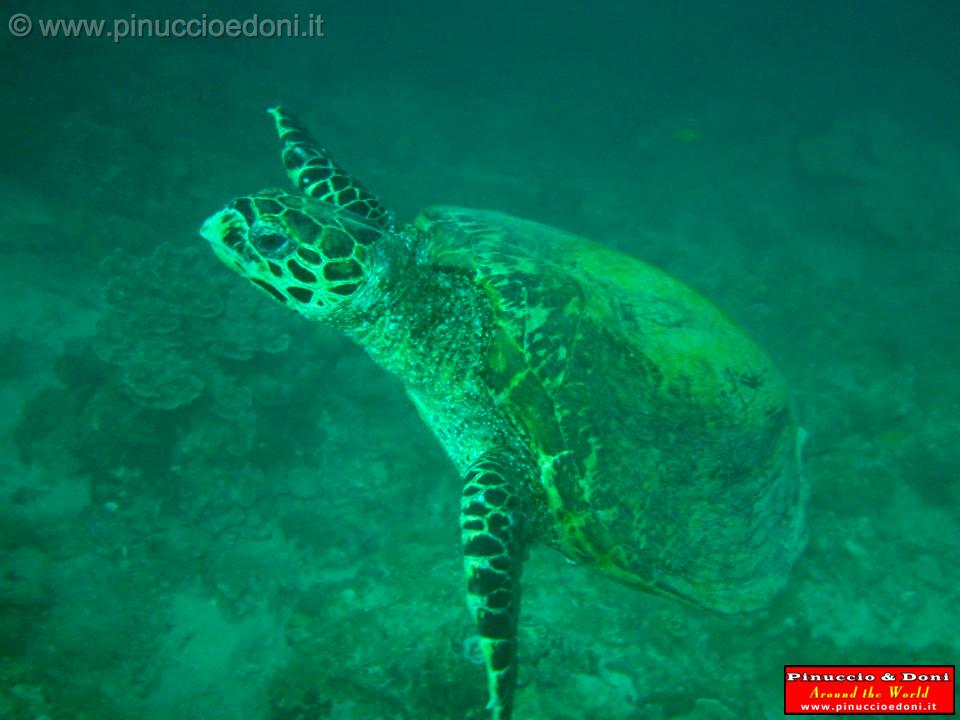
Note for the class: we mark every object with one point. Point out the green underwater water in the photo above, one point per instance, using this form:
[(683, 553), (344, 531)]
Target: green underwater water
[(210, 508)]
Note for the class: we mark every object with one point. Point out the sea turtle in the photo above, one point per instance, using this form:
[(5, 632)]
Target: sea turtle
[(590, 401)]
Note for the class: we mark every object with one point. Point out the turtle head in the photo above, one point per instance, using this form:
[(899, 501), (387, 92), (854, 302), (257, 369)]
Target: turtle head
[(311, 252), (306, 253)]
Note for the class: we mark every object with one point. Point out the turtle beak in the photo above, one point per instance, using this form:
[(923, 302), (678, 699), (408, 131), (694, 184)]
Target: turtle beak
[(226, 231)]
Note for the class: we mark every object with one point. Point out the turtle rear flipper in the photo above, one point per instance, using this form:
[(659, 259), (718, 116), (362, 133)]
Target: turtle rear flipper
[(494, 545)]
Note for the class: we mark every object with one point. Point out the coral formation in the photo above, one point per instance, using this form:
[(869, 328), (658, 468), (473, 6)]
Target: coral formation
[(174, 330)]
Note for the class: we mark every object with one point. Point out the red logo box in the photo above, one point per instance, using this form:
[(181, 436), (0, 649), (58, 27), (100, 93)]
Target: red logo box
[(869, 689)]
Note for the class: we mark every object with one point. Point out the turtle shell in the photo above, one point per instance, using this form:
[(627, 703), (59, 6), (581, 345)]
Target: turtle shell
[(667, 449)]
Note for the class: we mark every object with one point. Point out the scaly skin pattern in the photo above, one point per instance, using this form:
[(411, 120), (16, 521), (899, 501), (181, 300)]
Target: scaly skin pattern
[(590, 401), (312, 170)]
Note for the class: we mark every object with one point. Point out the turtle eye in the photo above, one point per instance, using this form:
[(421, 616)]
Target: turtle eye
[(270, 241)]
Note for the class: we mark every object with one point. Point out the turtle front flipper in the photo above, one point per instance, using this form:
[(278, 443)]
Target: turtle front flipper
[(313, 172), (494, 544)]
